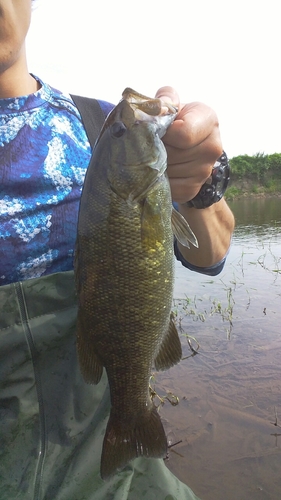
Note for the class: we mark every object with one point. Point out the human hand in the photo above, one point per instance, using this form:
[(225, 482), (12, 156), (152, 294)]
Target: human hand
[(193, 145)]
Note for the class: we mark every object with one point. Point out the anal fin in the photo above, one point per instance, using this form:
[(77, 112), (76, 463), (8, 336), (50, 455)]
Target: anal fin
[(170, 352)]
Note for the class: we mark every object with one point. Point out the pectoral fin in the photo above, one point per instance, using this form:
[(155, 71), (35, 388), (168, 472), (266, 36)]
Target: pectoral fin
[(182, 230), (170, 352)]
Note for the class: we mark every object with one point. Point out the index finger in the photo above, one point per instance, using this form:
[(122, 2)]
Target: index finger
[(194, 123), (168, 94)]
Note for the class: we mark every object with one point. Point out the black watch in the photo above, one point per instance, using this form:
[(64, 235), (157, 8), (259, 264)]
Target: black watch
[(213, 190)]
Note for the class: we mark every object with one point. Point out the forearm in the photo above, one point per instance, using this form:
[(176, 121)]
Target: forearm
[(213, 228), (193, 145)]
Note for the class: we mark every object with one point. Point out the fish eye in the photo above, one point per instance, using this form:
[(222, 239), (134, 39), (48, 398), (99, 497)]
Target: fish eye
[(118, 129)]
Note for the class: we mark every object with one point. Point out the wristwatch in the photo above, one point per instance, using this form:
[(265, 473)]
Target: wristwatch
[(213, 190)]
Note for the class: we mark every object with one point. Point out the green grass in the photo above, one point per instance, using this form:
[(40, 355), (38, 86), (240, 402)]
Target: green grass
[(233, 192)]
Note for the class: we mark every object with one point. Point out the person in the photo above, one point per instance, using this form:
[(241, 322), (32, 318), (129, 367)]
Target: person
[(51, 422)]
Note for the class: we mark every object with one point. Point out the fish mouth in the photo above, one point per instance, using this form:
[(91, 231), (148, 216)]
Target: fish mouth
[(148, 105), (143, 109), (149, 109)]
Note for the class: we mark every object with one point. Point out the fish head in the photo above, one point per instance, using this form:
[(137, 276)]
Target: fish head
[(133, 132)]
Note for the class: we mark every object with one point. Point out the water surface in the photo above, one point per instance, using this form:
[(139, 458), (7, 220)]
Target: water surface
[(230, 393)]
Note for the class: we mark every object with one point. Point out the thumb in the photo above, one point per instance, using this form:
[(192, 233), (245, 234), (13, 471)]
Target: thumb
[(168, 94)]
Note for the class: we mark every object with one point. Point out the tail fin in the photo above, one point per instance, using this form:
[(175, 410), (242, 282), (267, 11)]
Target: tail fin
[(124, 443)]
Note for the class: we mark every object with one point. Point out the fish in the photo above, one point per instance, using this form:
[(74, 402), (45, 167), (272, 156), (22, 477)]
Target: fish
[(124, 274)]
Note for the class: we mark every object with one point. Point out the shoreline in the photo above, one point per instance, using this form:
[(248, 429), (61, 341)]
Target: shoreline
[(238, 189), (249, 194)]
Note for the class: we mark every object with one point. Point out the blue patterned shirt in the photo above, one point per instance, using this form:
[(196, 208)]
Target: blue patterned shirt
[(44, 154)]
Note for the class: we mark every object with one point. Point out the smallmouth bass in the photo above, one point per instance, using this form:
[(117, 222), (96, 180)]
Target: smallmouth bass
[(124, 272)]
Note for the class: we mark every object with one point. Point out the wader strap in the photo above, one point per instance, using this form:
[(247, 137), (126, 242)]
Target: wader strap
[(92, 116)]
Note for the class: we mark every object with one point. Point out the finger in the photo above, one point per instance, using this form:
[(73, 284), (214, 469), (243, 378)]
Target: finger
[(194, 169), (183, 190), (168, 94), (205, 153), (194, 123)]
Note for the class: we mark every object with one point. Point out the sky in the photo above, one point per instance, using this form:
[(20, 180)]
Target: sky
[(223, 53)]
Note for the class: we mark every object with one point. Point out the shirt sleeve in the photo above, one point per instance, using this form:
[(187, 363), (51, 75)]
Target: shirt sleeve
[(106, 107), (209, 271)]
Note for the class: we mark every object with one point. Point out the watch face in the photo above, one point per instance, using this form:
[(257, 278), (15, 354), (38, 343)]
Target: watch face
[(220, 179)]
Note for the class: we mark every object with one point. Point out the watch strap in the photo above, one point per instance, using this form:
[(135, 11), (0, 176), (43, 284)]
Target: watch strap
[(214, 188)]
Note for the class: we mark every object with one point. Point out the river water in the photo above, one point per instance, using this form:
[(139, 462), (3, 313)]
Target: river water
[(228, 419)]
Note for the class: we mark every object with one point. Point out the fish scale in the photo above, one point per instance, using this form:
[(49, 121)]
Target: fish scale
[(124, 270)]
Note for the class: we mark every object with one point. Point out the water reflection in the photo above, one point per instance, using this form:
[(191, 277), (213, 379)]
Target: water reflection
[(230, 392), (257, 216), (257, 211)]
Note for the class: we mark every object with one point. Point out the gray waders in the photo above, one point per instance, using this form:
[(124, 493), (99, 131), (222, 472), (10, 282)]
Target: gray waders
[(52, 423)]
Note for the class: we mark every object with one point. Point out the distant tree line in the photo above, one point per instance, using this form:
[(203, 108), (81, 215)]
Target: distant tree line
[(259, 168)]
